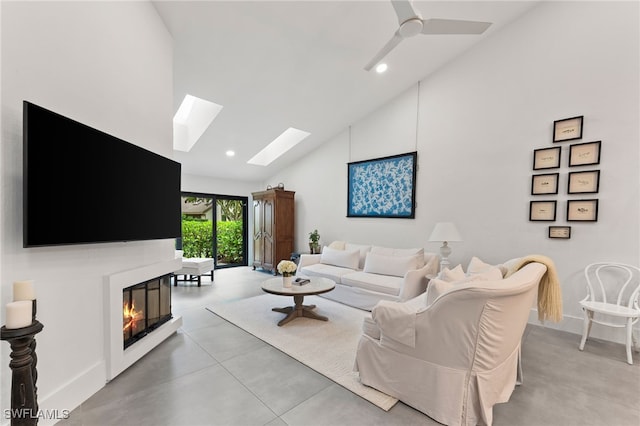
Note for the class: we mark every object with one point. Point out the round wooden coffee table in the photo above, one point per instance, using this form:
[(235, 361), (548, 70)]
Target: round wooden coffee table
[(318, 285)]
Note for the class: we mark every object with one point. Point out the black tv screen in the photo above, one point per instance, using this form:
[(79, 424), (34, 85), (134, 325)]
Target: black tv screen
[(82, 185)]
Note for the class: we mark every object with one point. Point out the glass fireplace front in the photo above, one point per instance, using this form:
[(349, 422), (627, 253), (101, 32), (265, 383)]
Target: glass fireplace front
[(145, 306)]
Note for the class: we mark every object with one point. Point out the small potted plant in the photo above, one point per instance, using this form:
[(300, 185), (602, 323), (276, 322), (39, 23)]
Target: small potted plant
[(314, 239), (287, 268)]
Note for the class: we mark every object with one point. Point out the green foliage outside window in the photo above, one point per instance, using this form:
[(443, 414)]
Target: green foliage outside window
[(230, 209), (230, 241), (196, 239)]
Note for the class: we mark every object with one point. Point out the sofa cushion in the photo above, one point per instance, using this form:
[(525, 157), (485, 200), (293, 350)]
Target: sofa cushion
[(334, 273), (363, 252), (396, 266), (379, 283), (387, 251), (342, 258)]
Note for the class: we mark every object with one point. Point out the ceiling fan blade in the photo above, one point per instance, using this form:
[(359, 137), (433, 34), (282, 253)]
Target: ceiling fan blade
[(452, 26), (395, 40), (405, 11)]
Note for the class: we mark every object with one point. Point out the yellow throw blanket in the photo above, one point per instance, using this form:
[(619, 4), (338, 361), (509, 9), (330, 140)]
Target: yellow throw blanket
[(549, 292)]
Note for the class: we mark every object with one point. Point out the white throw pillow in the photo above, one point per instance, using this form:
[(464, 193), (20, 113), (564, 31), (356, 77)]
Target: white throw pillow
[(451, 275), (476, 265), (503, 269), (485, 270), (395, 266), (387, 251), (509, 267), (343, 258), (438, 286), (338, 245), (363, 252)]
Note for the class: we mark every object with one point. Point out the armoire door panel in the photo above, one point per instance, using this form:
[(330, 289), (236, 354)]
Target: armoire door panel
[(268, 224), (258, 246)]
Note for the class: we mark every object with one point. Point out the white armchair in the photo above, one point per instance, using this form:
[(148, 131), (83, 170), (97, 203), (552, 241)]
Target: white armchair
[(456, 358)]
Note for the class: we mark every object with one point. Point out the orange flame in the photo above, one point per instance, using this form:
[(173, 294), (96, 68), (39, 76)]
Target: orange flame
[(130, 316)]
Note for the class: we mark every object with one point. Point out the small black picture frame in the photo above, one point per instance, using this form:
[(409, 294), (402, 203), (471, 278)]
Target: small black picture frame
[(587, 182), (561, 232), (542, 211), (582, 210), (567, 129), (546, 158), (544, 184), (584, 154)]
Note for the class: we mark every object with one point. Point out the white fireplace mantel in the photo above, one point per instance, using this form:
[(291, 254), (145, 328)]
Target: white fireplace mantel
[(118, 359)]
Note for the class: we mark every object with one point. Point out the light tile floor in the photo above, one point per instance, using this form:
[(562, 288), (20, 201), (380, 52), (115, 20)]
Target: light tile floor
[(213, 373)]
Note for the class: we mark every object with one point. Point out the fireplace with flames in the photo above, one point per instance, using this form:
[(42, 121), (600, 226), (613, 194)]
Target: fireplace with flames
[(145, 307)]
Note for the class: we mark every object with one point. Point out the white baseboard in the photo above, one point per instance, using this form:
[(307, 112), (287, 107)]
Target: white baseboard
[(69, 396), (58, 404)]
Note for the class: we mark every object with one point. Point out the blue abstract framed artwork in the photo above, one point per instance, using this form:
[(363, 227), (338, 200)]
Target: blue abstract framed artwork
[(383, 187)]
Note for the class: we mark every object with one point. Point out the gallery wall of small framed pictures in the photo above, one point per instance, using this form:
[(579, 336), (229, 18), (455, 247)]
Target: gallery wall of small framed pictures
[(584, 179)]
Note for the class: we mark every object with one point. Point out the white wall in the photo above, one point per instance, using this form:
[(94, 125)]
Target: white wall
[(108, 65), (207, 185), (480, 118)]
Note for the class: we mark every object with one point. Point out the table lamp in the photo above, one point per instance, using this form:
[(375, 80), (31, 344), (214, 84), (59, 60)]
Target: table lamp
[(445, 232)]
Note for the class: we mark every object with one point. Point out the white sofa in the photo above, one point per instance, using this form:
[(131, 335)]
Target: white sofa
[(366, 274)]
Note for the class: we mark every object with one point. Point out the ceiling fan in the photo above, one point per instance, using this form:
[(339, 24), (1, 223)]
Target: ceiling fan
[(411, 24)]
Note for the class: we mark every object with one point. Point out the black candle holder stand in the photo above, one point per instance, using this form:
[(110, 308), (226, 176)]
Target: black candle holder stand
[(24, 395)]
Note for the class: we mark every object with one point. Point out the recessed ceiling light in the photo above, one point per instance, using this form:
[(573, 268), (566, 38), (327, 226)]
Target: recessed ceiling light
[(283, 143), (230, 153), (191, 120), (381, 68)]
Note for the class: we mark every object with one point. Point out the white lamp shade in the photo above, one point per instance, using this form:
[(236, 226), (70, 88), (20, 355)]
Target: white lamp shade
[(445, 231)]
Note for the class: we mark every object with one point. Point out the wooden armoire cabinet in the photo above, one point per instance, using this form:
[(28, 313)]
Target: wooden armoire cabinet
[(273, 224)]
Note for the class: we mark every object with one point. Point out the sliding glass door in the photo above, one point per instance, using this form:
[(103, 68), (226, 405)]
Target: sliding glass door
[(214, 226), (230, 231)]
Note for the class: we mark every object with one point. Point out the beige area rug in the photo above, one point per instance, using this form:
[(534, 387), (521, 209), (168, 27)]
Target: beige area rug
[(328, 347)]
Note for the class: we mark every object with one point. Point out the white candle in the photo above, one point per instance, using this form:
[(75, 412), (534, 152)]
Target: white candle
[(23, 290), (19, 314)]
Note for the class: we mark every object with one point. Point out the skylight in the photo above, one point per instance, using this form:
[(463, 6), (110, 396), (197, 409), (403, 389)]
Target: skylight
[(191, 120), (283, 143)]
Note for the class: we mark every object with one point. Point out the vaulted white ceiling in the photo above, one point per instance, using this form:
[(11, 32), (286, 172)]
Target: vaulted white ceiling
[(274, 65)]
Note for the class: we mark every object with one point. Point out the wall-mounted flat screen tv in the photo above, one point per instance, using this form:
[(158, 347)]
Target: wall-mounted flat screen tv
[(82, 185)]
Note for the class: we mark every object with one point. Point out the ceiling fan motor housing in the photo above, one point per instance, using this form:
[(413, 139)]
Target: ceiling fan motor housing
[(410, 27)]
